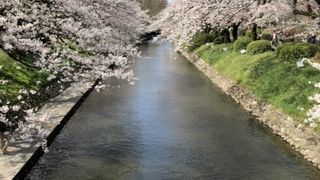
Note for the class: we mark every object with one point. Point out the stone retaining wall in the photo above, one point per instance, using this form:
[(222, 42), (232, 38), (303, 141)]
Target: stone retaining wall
[(303, 139), (24, 154)]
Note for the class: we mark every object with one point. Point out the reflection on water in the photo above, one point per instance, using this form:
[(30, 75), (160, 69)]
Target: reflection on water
[(173, 124)]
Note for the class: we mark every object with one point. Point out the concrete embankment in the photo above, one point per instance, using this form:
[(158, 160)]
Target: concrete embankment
[(24, 154), (303, 139)]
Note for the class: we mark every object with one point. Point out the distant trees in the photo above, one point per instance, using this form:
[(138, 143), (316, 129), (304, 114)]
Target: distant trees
[(154, 6)]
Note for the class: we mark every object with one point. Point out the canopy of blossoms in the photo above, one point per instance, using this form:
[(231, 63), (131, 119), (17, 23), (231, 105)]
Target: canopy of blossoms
[(183, 18), (74, 40)]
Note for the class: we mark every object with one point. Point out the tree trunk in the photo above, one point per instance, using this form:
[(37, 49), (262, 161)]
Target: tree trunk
[(254, 33), (235, 32), (226, 35)]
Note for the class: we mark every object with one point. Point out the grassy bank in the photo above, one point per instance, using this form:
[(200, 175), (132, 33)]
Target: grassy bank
[(279, 82), (18, 75)]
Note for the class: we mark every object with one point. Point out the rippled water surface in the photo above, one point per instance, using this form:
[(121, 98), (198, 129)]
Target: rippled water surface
[(173, 124)]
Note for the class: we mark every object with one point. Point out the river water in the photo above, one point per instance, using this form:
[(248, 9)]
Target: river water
[(173, 124)]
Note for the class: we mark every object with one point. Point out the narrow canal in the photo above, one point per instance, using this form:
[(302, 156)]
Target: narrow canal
[(173, 124)]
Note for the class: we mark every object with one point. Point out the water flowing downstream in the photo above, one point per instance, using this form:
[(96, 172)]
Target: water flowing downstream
[(173, 124)]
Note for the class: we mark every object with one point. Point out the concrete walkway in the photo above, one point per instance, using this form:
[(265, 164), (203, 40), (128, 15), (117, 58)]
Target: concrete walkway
[(23, 154)]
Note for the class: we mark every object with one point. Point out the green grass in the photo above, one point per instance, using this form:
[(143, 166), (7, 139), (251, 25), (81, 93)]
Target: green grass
[(27, 76), (230, 63), (276, 81), (19, 76), (287, 87)]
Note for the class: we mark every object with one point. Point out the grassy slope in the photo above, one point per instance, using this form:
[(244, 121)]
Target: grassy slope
[(25, 77), (279, 83)]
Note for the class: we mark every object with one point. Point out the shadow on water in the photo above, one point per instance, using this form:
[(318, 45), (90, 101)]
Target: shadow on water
[(173, 124)]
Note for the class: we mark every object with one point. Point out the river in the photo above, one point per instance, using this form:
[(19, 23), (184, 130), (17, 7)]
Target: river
[(173, 124)]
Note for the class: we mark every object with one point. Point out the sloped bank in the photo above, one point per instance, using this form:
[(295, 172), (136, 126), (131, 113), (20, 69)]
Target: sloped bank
[(24, 154), (302, 138)]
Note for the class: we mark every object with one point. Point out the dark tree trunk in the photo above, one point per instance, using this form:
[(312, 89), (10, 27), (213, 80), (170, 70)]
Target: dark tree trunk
[(235, 32), (262, 2), (226, 35), (254, 33)]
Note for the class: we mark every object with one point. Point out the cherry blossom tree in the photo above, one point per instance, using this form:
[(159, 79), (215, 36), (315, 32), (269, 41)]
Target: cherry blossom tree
[(295, 19), (74, 40), (184, 18)]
